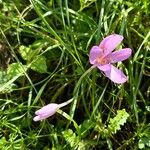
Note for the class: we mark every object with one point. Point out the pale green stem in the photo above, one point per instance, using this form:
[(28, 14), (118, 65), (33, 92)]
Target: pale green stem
[(65, 103)]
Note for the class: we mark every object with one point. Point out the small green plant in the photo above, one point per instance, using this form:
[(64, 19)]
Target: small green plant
[(119, 120), (33, 60), (144, 139), (71, 138)]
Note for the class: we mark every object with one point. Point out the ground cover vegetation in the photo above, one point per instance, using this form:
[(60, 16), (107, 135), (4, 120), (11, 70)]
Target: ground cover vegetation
[(44, 58)]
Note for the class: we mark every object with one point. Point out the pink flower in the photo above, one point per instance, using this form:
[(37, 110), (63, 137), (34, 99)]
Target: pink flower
[(102, 57), (46, 111), (49, 110)]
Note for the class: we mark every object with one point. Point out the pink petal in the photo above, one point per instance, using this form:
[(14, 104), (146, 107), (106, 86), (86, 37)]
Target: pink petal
[(104, 68), (94, 53), (120, 55), (37, 118), (109, 43), (46, 111), (115, 75)]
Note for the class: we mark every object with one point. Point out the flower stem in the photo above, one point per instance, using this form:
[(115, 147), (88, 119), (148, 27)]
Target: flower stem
[(65, 103)]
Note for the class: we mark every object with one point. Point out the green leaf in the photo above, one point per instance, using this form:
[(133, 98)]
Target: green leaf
[(144, 142), (144, 139), (86, 126), (3, 77), (3, 142), (85, 3), (117, 121), (16, 69), (141, 144), (71, 138), (27, 53), (39, 64)]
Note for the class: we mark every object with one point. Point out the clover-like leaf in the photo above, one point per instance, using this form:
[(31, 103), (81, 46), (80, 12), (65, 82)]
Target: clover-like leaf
[(16, 69), (39, 64)]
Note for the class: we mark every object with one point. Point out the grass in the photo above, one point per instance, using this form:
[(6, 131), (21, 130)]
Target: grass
[(44, 58)]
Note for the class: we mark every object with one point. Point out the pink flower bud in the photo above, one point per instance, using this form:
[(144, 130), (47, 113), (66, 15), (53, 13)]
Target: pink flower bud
[(46, 112)]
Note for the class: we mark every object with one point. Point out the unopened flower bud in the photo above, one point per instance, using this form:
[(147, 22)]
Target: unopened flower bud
[(46, 111)]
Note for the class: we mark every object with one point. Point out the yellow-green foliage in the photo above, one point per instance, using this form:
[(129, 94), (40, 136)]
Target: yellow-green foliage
[(116, 122)]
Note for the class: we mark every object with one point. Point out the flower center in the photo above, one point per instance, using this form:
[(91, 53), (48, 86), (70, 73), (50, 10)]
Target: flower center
[(101, 60)]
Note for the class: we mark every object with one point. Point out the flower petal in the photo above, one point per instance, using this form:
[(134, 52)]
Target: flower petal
[(94, 53), (120, 55), (37, 118), (109, 43), (104, 68), (46, 111), (115, 75)]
